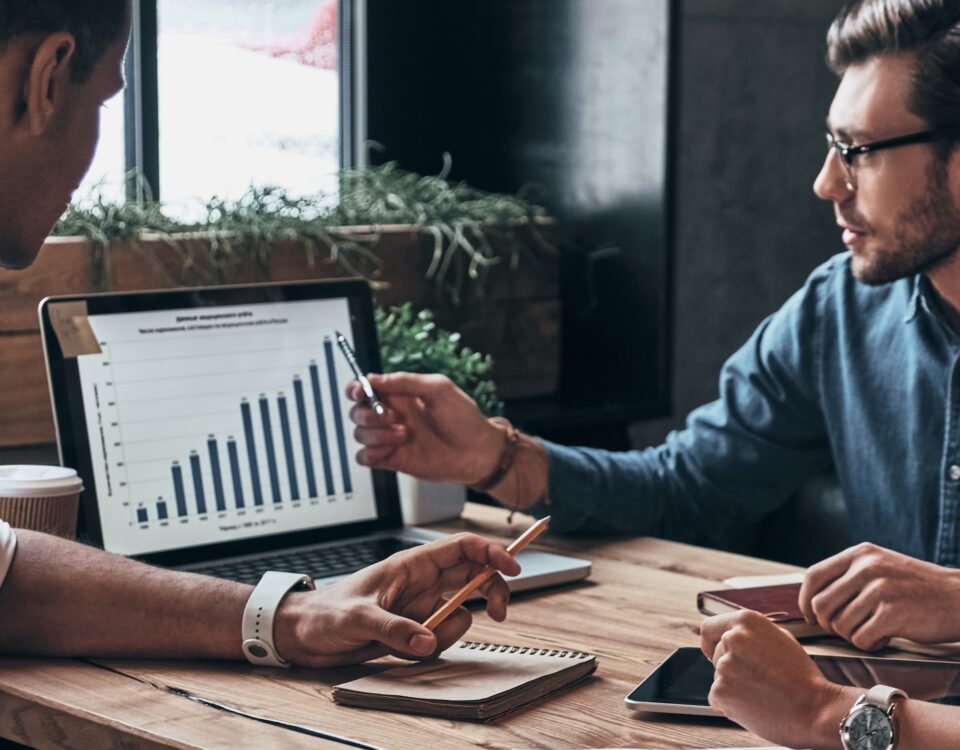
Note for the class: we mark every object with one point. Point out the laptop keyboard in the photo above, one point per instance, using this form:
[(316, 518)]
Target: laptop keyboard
[(318, 562)]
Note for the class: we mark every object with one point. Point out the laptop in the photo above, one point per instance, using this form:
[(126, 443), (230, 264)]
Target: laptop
[(210, 428)]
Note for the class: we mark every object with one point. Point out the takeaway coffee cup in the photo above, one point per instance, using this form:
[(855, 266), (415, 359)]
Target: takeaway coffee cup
[(41, 498)]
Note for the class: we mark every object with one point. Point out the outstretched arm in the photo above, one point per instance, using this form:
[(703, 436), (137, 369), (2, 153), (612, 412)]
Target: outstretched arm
[(62, 598), (738, 459)]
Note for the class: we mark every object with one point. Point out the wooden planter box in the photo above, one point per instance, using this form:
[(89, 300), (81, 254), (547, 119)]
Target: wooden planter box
[(518, 321)]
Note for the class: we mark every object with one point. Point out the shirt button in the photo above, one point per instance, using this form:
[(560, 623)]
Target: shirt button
[(955, 472)]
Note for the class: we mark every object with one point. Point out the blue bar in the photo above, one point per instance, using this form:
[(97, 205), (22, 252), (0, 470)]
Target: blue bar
[(235, 471), (288, 447), (198, 483), (321, 427), (251, 452), (271, 453), (178, 489), (162, 511), (305, 436), (141, 515), (215, 470), (338, 417)]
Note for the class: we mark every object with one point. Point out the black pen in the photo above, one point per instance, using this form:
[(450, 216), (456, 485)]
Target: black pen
[(373, 400)]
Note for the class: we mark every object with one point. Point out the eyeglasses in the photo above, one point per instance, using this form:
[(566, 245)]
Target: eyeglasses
[(847, 152)]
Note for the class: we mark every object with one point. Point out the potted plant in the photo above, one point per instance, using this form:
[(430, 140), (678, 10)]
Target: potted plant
[(412, 342), (486, 263)]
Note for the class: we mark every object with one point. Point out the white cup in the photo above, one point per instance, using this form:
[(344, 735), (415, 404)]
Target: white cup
[(40, 498)]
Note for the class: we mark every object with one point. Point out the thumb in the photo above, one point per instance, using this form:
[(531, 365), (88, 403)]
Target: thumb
[(398, 633)]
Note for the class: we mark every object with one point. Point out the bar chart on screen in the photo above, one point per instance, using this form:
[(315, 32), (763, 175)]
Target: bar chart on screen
[(222, 423)]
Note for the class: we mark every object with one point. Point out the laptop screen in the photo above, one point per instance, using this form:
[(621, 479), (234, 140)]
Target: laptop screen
[(202, 420)]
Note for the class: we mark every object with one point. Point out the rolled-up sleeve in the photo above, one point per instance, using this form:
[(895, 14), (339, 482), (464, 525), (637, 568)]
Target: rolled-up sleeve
[(8, 546)]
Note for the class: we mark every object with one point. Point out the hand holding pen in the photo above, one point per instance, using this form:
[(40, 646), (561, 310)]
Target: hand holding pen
[(373, 400)]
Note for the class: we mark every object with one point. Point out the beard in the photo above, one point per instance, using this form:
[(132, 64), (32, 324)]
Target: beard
[(926, 235)]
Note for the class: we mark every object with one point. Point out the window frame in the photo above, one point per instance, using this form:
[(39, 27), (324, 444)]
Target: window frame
[(142, 98)]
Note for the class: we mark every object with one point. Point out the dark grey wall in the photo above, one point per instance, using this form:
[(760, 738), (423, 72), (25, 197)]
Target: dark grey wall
[(754, 94)]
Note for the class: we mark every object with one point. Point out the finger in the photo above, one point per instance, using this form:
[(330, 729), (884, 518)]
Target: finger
[(355, 391), (475, 549), (364, 416), (872, 635), (399, 634), (711, 631), (377, 458), (852, 616), (425, 387), (719, 651), (820, 576), (833, 600), (453, 561), (381, 437), (497, 594), (453, 628)]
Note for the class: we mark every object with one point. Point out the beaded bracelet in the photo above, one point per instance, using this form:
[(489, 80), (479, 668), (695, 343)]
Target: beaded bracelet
[(505, 463)]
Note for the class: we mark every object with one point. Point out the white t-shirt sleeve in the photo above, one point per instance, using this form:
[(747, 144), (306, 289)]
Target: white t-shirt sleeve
[(8, 546)]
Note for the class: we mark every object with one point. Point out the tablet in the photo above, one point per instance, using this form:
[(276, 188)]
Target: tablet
[(681, 684)]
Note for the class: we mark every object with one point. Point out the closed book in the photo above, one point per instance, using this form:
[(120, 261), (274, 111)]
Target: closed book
[(479, 681), (780, 603)]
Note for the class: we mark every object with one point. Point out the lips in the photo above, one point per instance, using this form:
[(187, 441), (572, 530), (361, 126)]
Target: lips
[(852, 235)]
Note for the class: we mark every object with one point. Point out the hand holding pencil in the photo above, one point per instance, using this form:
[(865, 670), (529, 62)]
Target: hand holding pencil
[(484, 575), (380, 609)]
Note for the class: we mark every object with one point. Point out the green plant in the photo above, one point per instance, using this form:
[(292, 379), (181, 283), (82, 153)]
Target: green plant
[(474, 231), (411, 342)]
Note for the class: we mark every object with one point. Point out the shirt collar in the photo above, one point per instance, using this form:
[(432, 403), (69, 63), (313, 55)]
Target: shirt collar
[(919, 298)]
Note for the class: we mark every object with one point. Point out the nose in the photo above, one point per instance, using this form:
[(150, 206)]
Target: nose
[(832, 183)]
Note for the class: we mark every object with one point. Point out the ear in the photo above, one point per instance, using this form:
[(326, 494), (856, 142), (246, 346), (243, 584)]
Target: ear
[(48, 81)]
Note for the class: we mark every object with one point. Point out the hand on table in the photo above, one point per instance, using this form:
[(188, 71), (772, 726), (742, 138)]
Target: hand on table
[(378, 610), (766, 682), (432, 429), (868, 595)]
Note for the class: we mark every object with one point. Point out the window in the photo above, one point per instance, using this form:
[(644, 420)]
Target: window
[(106, 172), (244, 92)]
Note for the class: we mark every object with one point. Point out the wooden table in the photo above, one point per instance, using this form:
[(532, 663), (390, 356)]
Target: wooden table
[(638, 605)]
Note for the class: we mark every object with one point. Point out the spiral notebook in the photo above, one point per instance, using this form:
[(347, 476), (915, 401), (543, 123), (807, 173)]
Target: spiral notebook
[(479, 681)]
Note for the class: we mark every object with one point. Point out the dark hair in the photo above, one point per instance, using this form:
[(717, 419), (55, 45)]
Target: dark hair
[(929, 29), (95, 24)]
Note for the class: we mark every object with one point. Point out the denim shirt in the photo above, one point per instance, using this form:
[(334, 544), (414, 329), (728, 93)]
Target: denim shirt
[(861, 377)]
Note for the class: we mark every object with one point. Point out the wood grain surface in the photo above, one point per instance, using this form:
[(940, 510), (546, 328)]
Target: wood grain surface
[(639, 605)]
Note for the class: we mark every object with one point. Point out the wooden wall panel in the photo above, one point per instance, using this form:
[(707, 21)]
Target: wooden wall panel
[(26, 417), (62, 267), (521, 326)]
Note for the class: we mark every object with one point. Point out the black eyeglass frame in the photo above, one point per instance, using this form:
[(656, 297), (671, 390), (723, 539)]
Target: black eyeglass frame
[(847, 152)]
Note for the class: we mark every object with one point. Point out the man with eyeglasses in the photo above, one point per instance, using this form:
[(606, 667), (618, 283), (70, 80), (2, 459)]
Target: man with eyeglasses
[(859, 369)]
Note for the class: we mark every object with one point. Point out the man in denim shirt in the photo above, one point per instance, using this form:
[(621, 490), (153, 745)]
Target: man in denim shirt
[(858, 369)]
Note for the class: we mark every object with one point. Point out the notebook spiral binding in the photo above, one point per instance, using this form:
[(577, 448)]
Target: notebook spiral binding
[(523, 650)]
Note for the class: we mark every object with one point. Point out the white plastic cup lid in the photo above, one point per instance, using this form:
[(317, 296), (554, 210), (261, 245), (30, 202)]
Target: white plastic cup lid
[(38, 481)]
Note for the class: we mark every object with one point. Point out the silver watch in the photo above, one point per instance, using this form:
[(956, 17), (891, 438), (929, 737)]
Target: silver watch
[(870, 724)]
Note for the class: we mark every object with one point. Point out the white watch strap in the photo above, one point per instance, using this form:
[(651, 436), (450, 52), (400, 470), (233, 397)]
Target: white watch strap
[(883, 696), (257, 626)]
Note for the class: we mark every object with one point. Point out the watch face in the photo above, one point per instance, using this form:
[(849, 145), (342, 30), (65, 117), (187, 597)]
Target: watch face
[(868, 728)]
